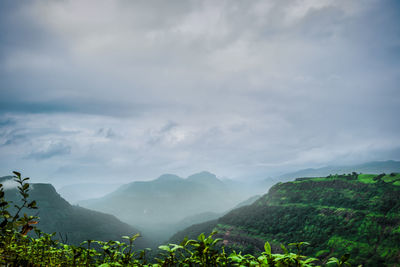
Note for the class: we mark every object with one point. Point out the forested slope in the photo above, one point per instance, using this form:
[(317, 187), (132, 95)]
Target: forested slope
[(72, 224), (356, 214)]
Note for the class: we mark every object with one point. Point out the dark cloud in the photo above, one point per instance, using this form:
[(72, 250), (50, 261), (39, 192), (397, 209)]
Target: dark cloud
[(108, 133), (7, 122), (238, 88)]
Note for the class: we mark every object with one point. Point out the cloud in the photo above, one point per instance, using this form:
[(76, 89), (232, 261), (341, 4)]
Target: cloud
[(53, 150), (130, 89), (9, 184)]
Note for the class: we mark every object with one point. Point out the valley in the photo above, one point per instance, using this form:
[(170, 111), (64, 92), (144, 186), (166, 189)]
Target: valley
[(353, 213)]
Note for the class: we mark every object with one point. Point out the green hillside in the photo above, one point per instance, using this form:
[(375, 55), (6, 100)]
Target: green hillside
[(72, 224), (356, 214)]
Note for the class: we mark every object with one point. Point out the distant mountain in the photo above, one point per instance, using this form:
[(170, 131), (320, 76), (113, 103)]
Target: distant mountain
[(75, 223), (375, 167), (167, 199), (338, 214), (77, 192), (158, 206)]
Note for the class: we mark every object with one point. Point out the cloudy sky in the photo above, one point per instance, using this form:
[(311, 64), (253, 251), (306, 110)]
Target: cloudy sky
[(127, 90)]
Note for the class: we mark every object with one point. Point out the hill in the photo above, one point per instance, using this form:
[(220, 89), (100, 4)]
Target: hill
[(72, 224), (74, 193), (158, 206), (356, 214), (375, 167)]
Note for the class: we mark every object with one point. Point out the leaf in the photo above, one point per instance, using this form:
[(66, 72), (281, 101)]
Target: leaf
[(175, 247), (134, 237), (284, 249), (267, 248), (333, 260), (192, 242), (32, 204), (216, 241), (235, 258), (164, 247), (310, 260), (201, 237)]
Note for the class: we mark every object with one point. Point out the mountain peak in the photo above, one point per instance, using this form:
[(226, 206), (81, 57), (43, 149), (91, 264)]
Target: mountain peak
[(204, 177), (169, 177)]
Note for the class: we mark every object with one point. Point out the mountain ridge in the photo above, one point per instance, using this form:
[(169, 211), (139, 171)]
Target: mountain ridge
[(356, 213), (164, 202), (77, 224), (372, 167)]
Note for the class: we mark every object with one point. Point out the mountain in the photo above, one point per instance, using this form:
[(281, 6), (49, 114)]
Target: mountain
[(375, 167), (73, 224), (157, 206), (167, 199), (74, 193), (337, 214)]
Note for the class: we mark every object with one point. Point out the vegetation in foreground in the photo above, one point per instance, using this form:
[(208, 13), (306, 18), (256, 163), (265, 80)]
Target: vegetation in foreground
[(18, 248)]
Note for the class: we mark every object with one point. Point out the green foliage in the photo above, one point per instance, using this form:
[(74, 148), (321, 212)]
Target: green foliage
[(358, 214), (19, 249)]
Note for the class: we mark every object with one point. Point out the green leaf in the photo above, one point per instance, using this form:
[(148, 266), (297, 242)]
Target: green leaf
[(134, 237), (267, 248), (201, 237), (284, 249), (164, 247), (310, 260), (333, 260)]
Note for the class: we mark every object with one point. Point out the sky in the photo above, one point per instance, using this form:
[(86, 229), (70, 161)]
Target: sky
[(116, 91)]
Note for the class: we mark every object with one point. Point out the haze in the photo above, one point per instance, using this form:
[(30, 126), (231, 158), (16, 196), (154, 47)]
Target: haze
[(116, 91)]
